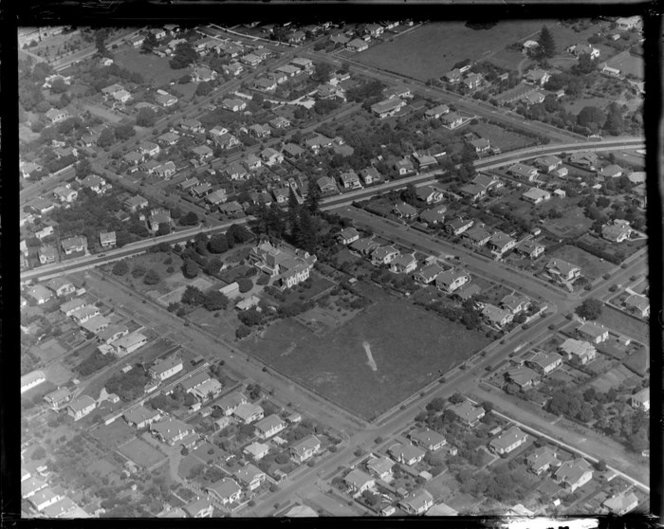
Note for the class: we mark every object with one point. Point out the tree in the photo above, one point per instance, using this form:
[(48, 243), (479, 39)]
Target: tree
[(322, 72), (193, 296), (436, 404), (125, 131), (204, 88), (138, 271), (151, 277), (100, 38), (313, 198), (106, 137), (585, 64), (245, 284), (149, 43), (146, 117), (183, 56), (547, 46), (457, 398), (215, 300), (614, 123), (293, 214), (213, 266), (591, 117), (370, 498), (190, 269), (58, 86), (307, 233), (189, 219), (242, 332), (590, 309), (218, 243), (164, 229)]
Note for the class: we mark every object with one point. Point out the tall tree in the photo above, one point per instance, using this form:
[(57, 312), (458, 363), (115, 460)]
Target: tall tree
[(293, 214), (313, 198), (100, 41), (150, 43), (307, 236), (546, 42)]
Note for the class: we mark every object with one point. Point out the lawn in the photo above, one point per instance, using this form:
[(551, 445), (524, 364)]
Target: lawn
[(432, 49), (591, 267), (410, 347), (501, 138), (142, 453), (154, 69), (625, 324), (114, 434), (573, 224)]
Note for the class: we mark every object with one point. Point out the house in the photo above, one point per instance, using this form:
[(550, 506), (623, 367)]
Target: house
[(364, 246), (256, 450), (381, 467), (428, 273), (199, 508), (305, 449), (406, 453), (168, 138), (641, 400), (563, 270), (544, 362), (548, 164), (537, 76), (27, 168), (358, 481), (317, 142), (286, 265), (417, 502), (225, 491), (44, 498), (148, 148), (248, 413), (61, 286), (165, 170), (611, 171), (404, 167), (72, 245), (65, 194), (165, 99), (56, 115), (574, 474), (107, 239), (157, 218), (82, 406), (593, 332), (303, 63), (515, 303), (436, 112), (348, 235), (135, 203), (141, 417), (40, 294), (384, 255), (31, 380), (582, 351), (508, 441), (271, 156), (530, 248), (501, 243), (542, 459), (452, 279), (234, 69), (370, 175), (583, 48), (85, 313), (129, 343), (191, 125), (357, 45), (350, 180), (228, 404), (638, 304), (452, 121), (250, 476), (428, 439), (457, 225), (495, 316), (41, 206), (587, 160), (477, 236), (112, 333), (388, 107), (433, 216), (216, 197), (202, 152), (453, 76), (171, 431), (629, 23), (523, 172), (467, 412), (31, 485), (269, 426), (232, 209), (481, 145), (622, 503), (203, 74), (326, 185), (166, 368), (473, 80), (429, 194), (523, 377), (404, 211), (404, 264), (234, 104), (56, 399), (617, 232), (535, 195)]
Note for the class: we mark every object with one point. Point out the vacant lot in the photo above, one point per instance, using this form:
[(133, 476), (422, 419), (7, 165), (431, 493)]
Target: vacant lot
[(338, 365), (613, 378), (591, 267), (433, 49), (142, 453), (114, 434), (625, 324), (501, 138), (572, 224), (154, 69)]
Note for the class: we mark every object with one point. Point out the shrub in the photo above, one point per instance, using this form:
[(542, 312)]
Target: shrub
[(120, 268), (242, 332), (138, 271), (263, 279), (245, 284), (152, 277)]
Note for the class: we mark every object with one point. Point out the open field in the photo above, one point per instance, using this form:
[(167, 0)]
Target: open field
[(337, 367), (113, 435), (142, 453), (433, 49), (152, 68), (501, 138), (625, 324), (613, 379), (573, 224), (591, 267)]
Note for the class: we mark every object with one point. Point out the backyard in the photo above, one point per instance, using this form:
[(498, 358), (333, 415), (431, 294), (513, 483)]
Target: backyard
[(591, 267), (368, 364)]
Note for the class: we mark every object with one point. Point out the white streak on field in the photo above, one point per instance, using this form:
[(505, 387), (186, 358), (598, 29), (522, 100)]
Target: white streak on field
[(371, 361)]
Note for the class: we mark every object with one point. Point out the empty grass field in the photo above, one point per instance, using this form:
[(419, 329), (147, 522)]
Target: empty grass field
[(433, 49), (410, 348), (625, 324), (154, 69)]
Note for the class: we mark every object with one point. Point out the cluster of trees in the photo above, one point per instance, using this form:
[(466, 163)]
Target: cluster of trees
[(93, 363), (590, 309), (466, 314), (169, 403), (129, 386), (183, 56), (107, 75), (194, 297)]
